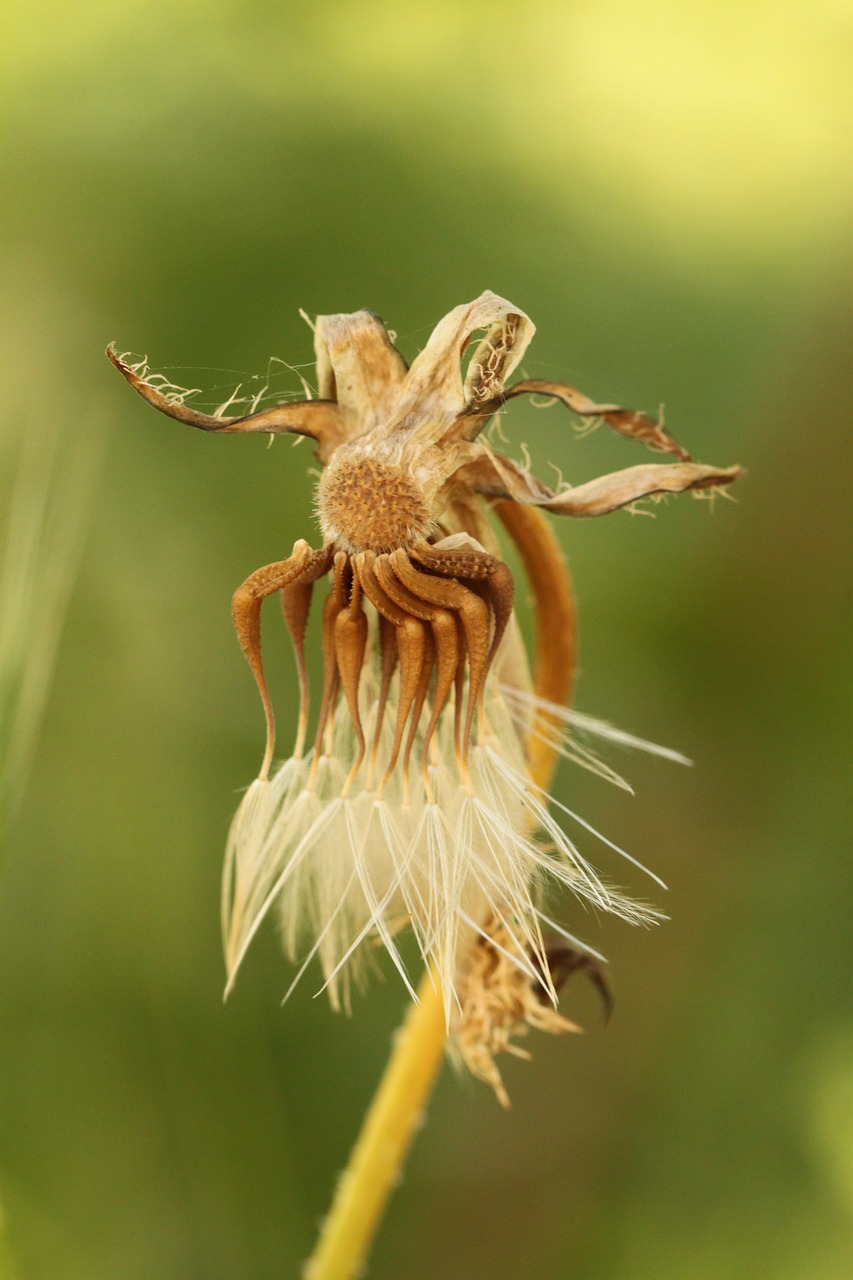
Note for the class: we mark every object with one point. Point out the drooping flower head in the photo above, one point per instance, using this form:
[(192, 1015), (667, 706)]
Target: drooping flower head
[(422, 799)]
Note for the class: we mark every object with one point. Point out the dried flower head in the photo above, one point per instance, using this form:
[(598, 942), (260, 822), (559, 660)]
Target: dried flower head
[(422, 800)]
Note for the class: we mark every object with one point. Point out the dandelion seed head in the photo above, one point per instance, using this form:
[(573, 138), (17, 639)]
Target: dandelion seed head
[(415, 797)]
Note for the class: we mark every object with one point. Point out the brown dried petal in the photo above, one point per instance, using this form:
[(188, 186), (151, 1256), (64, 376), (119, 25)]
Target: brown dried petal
[(434, 388), (318, 419), (494, 475), (627, 422), (359, 367)]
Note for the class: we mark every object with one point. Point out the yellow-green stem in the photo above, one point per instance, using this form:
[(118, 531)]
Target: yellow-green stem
[(386, 1135), (397, 1107)]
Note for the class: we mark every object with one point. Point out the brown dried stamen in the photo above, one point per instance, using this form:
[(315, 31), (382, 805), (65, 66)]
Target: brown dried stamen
[(331, 679), (388, 665), (435, 648), (350, 647), (409, 634), (246, 609), (473, 614), (295, 607), (439, 622), (475, 568)]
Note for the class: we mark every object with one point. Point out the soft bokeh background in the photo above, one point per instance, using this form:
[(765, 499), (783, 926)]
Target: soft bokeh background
[(663, 188)]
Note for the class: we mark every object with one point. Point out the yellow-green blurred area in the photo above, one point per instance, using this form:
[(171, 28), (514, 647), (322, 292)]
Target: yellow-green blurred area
[(663, 188)]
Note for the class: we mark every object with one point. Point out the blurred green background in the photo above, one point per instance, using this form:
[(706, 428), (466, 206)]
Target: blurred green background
[(663, 189)]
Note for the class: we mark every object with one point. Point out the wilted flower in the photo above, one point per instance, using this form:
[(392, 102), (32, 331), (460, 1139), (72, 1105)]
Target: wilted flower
[(419, 802)]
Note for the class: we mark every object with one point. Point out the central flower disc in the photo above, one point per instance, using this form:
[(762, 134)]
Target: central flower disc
[(368, 504)]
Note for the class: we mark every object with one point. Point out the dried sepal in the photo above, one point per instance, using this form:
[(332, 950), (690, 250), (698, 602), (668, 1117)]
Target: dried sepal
[(626, 422), (493, 475), (318, 419)]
